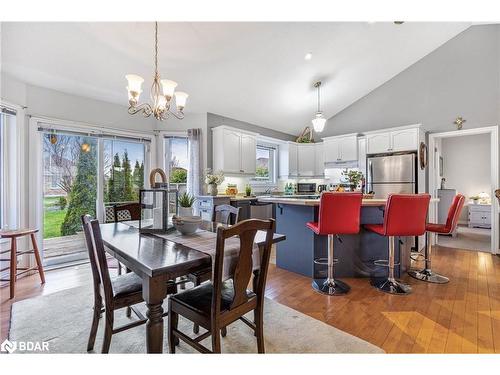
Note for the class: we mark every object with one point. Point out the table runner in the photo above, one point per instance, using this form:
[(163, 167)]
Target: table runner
[(205, 241)]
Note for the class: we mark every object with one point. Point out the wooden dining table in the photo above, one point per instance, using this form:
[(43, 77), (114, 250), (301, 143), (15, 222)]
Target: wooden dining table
[(157, 260)]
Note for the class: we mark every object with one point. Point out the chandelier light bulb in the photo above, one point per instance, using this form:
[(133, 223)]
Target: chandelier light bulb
[(134, 83), (180, 100), (168, 88)]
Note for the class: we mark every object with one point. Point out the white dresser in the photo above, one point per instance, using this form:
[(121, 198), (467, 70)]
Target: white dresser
[(479, 215)]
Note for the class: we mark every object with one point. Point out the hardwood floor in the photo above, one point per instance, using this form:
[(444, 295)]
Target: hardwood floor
[(462, 316)]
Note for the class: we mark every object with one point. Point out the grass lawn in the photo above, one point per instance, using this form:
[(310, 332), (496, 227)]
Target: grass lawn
[(52, 219)]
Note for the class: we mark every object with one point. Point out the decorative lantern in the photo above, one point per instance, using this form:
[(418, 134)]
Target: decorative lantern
[(157, 208)]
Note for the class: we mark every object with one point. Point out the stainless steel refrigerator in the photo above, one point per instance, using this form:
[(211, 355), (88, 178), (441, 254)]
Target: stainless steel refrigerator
[(391, 174)]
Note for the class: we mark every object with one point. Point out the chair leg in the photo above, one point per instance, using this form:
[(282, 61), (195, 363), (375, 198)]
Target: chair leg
[(37, 258), (119, 268), (390, 284), (108, 331), (95, 324), (196, 328), (426, 274), (173, 320), (13, 267), (216, 340), (259, 329)]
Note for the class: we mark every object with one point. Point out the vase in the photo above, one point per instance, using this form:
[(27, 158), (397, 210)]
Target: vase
[(185, 211), (212, 190)]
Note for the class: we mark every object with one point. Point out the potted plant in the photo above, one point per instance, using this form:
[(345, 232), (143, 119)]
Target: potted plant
[(186, 201), (248, 190), (354, 178), (475, 199), (212, 180)]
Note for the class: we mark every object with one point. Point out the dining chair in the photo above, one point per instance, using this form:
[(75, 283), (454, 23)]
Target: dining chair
[(222, 214), (218, 303), (119, 291), (126, 212)]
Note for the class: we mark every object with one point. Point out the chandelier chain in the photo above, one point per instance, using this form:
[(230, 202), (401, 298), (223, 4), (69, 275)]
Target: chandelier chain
[(156, 48)]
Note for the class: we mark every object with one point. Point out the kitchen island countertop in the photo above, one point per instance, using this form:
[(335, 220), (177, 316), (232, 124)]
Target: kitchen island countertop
[(315, 202)]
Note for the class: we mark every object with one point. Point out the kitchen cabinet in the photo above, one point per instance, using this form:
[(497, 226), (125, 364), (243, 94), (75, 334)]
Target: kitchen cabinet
[(234, 151), (205, 204), (288, 162), (306, 160), (399, 139), (479, 215), (341, 149), (319, 160)]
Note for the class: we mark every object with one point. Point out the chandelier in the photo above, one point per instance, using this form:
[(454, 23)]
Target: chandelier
[(319, 120), (161, 100)]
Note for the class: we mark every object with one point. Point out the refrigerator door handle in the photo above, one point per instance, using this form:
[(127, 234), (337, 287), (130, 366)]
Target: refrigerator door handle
[(370, 175)]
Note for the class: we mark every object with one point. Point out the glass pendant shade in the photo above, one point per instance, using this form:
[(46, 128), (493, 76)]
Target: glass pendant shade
[(168, 87), (162, 102), (319, 122), (180, 99), (134, 83)]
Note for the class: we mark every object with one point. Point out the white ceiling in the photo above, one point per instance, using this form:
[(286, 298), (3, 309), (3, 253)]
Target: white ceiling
[(253, 72)]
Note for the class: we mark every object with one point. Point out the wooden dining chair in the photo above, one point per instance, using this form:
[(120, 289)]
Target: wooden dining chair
[(119, 291), (222, 214), (216, 304), (127, 211)]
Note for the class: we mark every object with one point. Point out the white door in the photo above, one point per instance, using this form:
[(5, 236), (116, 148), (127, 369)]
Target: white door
[(378, 143), (349, 148), (331, 150), (248, 154), (306, 160), (404, 140), (319, 159), (231, 154), (293, 168)]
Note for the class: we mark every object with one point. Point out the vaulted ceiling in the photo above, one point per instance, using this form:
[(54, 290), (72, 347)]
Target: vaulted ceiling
[(254, 72)]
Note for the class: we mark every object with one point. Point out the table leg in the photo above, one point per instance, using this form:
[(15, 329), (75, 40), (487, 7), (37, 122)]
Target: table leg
[(154, 291), (13, 266)]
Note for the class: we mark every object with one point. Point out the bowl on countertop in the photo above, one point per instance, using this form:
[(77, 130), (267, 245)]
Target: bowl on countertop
[(186, 224)]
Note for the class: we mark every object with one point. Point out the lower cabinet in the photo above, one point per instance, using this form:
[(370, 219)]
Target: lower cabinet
[(479, 215), (205, 205)]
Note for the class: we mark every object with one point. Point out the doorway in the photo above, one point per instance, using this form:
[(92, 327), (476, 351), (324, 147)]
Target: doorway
[(466, 162)]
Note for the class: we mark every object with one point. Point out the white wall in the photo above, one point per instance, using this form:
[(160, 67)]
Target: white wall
[(467, 162)]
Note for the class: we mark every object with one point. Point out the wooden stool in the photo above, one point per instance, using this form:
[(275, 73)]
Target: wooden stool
[(13, 235)]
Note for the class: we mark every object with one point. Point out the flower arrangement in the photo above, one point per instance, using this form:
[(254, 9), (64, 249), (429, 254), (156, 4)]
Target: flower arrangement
[(213, 178)]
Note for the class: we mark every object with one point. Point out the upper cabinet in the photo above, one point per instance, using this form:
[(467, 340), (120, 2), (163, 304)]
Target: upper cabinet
[(234, 150), (297, 160), (395, 140), (341, 149), (319, 159), (306, 160)]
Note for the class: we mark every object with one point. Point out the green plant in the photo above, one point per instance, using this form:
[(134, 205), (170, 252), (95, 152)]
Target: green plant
[(261, 172), (178, 176), (353, 176), (248, 190), (186, 200), (475, 197), (62, 202), (305, 139)]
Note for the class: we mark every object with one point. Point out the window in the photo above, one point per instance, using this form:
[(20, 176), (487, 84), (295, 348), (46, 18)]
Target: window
[(266, 165), (9, 192), (2, 179), (176, 159)]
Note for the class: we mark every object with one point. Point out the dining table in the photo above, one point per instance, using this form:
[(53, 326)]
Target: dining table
[(157, 258)]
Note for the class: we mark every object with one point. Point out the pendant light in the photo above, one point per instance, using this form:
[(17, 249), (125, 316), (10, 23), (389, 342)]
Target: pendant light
[(319, 120)]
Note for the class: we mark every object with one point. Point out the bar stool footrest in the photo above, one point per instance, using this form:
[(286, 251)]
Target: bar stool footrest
[(428, 276), (324, 261), (384, 263), (415, 256)]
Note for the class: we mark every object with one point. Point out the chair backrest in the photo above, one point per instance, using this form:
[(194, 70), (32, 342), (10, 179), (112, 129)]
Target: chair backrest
[(94, 266), (339, 213), (127, 211), (94, 240), (223, 212), (246, 231), (454, 212), (406, 214)]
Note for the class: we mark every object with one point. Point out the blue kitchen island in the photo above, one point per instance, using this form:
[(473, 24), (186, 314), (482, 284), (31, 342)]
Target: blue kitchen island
[(356, 253)]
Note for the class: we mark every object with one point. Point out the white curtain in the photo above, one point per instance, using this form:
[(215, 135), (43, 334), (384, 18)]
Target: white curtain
[(195, 175)]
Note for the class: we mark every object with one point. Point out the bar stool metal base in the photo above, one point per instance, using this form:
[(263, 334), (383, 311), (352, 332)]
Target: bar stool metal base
[(331, 287), (391, 286), (428, 276)]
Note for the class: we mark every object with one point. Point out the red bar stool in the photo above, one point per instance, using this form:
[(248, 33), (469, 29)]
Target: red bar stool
[(339, 213), (405, 215), (451, 223)]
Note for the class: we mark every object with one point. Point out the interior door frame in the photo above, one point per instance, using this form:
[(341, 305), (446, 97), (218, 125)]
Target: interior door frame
[(494, 174), (35, 165)]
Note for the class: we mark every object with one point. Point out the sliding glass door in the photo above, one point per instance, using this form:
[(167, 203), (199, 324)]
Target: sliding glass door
[(69, 190), (85, 174)]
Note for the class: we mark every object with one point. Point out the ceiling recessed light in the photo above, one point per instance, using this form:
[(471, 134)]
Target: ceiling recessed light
[(308, 56)]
